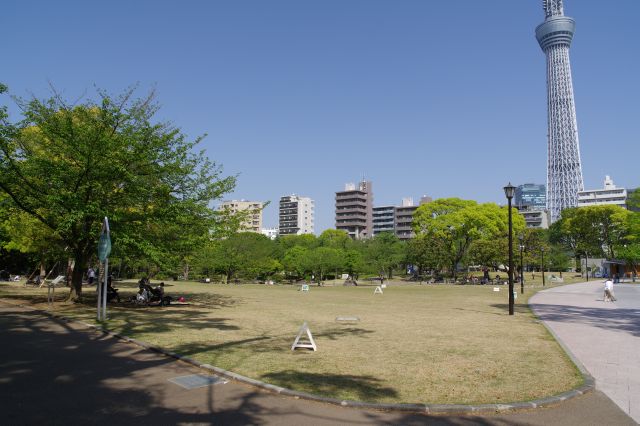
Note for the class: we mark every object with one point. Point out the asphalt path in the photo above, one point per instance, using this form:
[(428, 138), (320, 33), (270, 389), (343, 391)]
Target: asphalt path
[(58, 373), (603, 336)]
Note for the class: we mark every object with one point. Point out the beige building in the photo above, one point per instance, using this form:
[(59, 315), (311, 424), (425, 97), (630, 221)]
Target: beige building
[(253, 222)]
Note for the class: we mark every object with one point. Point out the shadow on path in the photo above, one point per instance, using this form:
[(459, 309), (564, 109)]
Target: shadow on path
[(626, 320)]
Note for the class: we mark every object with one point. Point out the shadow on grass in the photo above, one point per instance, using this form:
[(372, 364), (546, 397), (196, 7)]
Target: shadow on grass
[(517, 308), (199, 348), (626, 320), (364, 388), (336, 333)]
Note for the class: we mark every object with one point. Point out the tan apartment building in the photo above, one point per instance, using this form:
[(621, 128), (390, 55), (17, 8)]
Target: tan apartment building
[(253, 222)]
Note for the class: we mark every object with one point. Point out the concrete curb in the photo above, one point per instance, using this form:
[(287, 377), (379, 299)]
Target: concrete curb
[(437, 409)]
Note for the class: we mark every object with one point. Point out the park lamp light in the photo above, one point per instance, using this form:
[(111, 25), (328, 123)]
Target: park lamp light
[(521, 239), (509, 192)]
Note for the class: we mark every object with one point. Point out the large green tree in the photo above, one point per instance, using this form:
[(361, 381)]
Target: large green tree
[(70, 165), (454, 224), (596, 230)]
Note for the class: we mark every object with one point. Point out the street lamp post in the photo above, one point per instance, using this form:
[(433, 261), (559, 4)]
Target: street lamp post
[(586, 264), (542, 265), (521, 238), (509, 192)]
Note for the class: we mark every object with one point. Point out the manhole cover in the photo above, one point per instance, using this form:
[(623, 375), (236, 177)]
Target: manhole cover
[(197, 381)]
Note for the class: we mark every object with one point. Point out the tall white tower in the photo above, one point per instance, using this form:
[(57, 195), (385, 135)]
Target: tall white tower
[(564, 170)]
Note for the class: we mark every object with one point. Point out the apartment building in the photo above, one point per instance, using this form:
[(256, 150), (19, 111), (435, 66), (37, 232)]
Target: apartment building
[(354, 210), (384, 219), (253, 221), (609, 195), (296, 215)]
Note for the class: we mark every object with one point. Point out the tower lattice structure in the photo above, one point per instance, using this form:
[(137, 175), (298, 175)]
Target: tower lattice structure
[(564, 170)]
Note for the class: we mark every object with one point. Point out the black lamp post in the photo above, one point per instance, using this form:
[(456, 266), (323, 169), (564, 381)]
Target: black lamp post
[(521, 238), (509, 192), (542, 265), (586, 264)]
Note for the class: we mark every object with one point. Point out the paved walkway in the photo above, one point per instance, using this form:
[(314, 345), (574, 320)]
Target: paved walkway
[(604, 337), (53, 372)]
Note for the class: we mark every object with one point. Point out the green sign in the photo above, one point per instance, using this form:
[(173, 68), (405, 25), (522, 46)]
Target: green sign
[(104, 246)]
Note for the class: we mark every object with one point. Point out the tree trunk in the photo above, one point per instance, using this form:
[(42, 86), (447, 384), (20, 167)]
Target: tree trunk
[(185, 271), (75, 295)]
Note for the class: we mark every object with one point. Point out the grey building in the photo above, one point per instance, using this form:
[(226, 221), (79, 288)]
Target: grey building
[(354, 210), (404, 222), (404, 217), (539, 219), (532, 196), (384, 219)]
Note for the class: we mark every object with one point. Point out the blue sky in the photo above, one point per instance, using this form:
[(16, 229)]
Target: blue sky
[(443, 98)]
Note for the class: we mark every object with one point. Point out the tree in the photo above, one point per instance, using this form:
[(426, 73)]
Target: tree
[(383, 253), (335, 238), (69, 166), (595, 229), (454, 224), (243, 253), (295, 261), (323, 259), (427, 253)]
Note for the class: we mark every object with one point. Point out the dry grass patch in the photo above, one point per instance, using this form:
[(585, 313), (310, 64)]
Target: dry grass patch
[(433, 344)]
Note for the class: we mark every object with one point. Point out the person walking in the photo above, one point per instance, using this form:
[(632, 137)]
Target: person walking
[(609, 296), (91, 276)]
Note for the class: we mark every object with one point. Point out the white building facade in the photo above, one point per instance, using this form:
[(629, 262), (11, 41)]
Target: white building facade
[(271, 233), (609, 195), (296, 215)]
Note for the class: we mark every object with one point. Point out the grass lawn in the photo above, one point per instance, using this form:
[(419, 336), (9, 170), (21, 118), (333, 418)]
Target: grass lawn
[(414, 343)]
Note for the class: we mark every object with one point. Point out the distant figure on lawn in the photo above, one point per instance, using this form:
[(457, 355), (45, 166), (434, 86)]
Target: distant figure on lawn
[(91, 276), (609, 296)]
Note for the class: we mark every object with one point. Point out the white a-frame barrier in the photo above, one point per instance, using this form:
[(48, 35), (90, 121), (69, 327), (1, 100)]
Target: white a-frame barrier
[(311, 344), (378, 290)]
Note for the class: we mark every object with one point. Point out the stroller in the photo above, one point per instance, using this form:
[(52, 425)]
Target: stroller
[(112, 293)]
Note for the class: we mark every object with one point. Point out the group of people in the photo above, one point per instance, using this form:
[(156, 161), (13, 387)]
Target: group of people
[(146, 292)]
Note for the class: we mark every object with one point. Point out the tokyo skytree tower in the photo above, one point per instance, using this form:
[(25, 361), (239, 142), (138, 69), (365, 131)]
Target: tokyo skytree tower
[(564, 172)]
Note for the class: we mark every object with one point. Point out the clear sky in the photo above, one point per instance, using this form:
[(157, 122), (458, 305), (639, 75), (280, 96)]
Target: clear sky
[(443, 98)]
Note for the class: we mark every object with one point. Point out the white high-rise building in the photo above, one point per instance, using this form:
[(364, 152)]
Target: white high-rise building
[(296, 215)]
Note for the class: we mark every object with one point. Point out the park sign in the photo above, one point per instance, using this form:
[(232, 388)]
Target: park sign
[(104, 244)]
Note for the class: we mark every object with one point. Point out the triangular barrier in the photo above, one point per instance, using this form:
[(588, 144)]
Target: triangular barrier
[(378, 290), (310, 344), (305, 287)]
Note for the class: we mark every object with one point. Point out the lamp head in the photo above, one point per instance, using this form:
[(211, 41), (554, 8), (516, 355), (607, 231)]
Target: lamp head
[(509, 191)]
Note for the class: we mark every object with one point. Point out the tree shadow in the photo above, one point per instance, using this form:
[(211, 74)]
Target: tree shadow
[(367, 388), (626, 320), (517, 308), (336, 333), (54, 375)]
